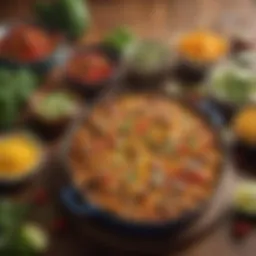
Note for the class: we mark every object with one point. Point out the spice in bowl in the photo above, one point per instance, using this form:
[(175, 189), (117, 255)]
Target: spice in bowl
[(197, 51), (90, 71), (20, 154)]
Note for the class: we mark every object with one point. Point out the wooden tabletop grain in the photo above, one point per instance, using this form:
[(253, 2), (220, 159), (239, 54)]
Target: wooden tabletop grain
[(162, 19)]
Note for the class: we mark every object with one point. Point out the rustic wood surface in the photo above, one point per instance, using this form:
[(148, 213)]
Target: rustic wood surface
[(160, 19)]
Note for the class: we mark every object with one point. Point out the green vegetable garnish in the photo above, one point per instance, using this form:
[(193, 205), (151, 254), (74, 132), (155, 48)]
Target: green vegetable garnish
[(17, 238), (56, 105), (16, 86), (69, 16), (168, 147), (132, 176), (148, 56), (120, 39), (126, 127), (245, 198), (11, 218), (192, 142), (234, 84), (246, 59), (35, 237)]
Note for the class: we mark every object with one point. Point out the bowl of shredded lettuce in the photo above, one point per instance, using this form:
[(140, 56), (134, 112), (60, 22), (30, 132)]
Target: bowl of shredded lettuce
[(234, 84)]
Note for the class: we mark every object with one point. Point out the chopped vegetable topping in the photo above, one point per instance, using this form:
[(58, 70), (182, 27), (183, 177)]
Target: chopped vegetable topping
[(91, 67), (234, 84), (56, 105), (153, 173), (148, 56), (26, 43)]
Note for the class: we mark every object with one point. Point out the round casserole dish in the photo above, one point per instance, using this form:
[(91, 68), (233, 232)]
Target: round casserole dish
[(78, 203)]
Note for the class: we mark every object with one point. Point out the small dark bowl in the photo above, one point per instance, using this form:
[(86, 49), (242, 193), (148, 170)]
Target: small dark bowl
[(92, 90), (139, 79), (48, 130), (41, 66), (244, 156), (190, 73)]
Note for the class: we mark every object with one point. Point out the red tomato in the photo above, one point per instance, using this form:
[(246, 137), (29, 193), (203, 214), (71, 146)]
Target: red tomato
[(91, 67), (183, 149), (27, 43), (142, 126), (193, 177)]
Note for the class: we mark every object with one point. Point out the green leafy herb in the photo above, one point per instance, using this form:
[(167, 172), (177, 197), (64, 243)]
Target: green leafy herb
[(15, 237), (15, 88), (126, 127), (234, 84), (132, 176), (120, 39), (245, 198), (70, 16), (148, 56), (11, 217)]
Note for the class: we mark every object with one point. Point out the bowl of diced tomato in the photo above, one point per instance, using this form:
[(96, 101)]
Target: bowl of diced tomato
[(92, 70), (28, 45)]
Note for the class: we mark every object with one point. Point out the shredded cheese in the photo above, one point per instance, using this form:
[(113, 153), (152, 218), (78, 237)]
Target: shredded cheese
[(18, 154), (203, 46)]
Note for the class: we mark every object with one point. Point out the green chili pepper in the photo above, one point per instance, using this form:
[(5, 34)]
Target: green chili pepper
[(125, 127)]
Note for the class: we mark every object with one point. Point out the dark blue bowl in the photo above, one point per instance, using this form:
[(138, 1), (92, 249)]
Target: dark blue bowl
[(73, 201), (40, 66), (78, 206)]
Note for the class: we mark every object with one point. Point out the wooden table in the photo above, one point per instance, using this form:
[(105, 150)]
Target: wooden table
[(160, 19)]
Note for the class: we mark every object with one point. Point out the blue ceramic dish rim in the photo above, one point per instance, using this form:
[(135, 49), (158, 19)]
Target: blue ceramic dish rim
[(90, 210), (9, 25)]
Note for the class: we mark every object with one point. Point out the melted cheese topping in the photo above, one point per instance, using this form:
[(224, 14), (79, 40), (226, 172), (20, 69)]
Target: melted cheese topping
[(202, 46), (145, 157)]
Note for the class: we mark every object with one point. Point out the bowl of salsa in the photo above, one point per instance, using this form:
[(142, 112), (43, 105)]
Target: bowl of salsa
[(91, 70), (27, 45)]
